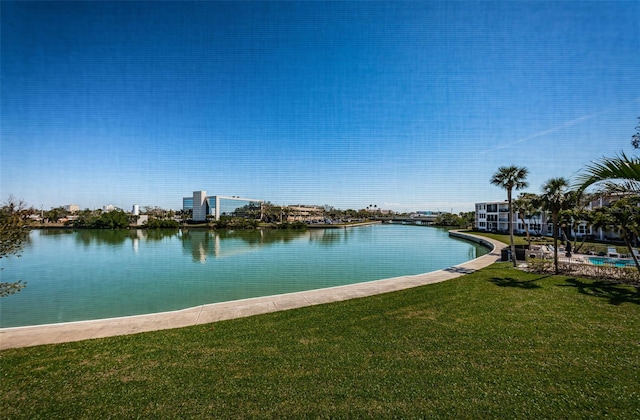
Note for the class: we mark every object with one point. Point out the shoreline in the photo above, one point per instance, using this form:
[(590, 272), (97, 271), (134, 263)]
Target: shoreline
[(60, 226), (343, 225), (26, 336)]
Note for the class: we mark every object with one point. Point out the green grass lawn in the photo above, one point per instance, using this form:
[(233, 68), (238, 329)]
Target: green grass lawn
[(499, 343), (518, 240)]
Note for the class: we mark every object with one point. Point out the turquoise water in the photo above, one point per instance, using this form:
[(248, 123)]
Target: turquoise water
[(80, 275), (611, 261)]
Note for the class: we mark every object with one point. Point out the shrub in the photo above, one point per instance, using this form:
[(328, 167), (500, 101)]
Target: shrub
[(236, 223), (153, 223), (627, 275), (298, 225)]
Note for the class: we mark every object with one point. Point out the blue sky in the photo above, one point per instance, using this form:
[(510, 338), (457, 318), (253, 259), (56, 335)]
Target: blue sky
[(408, 106)]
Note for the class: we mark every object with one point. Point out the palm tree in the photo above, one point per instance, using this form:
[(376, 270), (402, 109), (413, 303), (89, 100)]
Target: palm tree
[(526, 206), (555, 198), (620, 173), (510, 178), (576, 216)]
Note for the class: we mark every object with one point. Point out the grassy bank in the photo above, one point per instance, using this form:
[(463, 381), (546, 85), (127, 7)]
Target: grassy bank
[(498, 343)]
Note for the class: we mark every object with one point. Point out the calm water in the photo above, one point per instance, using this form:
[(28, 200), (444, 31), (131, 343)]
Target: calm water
[(84, 275)]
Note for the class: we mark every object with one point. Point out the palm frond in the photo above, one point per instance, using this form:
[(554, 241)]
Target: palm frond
[(606, 188), (621, 167)]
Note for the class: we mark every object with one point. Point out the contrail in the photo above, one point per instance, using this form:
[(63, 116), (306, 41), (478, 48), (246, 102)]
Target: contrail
[(549, 131), (554, 129)]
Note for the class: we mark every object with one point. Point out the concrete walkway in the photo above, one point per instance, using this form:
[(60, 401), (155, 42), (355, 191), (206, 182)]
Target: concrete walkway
[(84, 330)]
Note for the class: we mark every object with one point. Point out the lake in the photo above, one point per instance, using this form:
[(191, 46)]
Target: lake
[(89, 274)]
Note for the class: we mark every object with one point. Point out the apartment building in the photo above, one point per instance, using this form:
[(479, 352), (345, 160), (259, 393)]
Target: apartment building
[(493, 216)]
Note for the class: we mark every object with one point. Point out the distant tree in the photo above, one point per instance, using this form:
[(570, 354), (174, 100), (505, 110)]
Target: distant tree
[(556, 197), (572, 218), (526, 205), (185, 215), (84, 218), (271, 213), (297, 225), (447, 219), (285, 212), (461, 220), (351, 213), (467, 219), (511, 178), (234, 223), (635, 139), (452, 220), (55, 214), (157, 212), (14, 231), (153, 223), (116, 219)]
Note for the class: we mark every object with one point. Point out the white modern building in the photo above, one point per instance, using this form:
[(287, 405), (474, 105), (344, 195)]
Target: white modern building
[(72, 208), (217, 206), (494, 216)]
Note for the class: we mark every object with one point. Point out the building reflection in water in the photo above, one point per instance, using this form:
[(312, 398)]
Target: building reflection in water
[(202, 244)]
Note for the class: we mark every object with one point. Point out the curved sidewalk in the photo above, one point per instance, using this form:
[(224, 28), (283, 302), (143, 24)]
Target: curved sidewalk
[(83, 330)]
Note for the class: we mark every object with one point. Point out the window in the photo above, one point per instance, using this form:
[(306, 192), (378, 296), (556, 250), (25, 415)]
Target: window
[(239, 208)]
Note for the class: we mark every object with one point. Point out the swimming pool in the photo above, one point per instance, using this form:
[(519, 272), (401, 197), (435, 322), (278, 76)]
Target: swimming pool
[(616, 262)]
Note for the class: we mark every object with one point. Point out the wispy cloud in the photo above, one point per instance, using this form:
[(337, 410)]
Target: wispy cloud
[(546, 132), (542, 133)]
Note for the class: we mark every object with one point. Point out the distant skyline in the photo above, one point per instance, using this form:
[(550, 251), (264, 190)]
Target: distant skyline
[(404, 105)]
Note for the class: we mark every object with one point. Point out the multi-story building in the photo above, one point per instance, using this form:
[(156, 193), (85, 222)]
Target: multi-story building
[(72, 208), (301, 213), (217, 206), (494, 216), (598, 233)]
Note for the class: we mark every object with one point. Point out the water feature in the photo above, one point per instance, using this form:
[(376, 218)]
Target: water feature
[(80, 275), (613, 262)]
